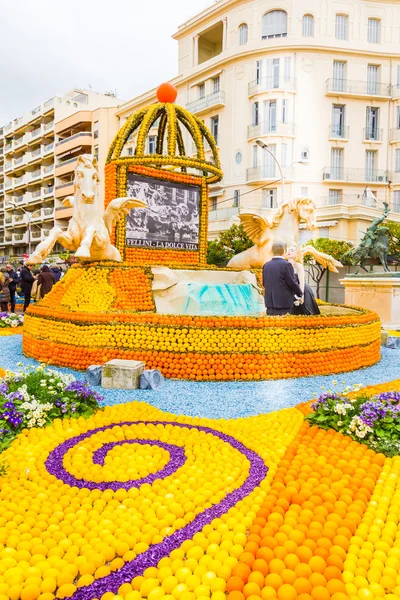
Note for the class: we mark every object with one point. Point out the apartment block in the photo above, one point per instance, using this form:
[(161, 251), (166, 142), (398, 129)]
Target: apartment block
[(319, 82), (38, 154)]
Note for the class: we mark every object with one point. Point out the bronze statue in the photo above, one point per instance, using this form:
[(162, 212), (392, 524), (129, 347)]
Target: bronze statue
[(374, 244)]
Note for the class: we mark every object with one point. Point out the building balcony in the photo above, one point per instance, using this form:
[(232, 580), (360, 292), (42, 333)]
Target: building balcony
[(20, 238), (7, 128), (363, 176), (20, 142), (67, 166), (223, 214), (19, 162), (17, 200), (339, 132), (19, 220), (36, 134), (271, 84), (260, 174), (48, 171), (372, 134), (48, 128), (358, 89), (394, 135), (74, 141), (270, 129), (1, 188), (20, 181), (48, 191), (348, 200), (48, 106), (8, 238), (76, 121), (8, 185), (8, 147), (34, 175), (35, 155), (8, 166), (211, 101), (8, 221), (63, 213), (64, 189), (39, 235), (48, 149)]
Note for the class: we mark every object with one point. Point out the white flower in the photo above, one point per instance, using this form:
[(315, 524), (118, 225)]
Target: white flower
[(340, 423)]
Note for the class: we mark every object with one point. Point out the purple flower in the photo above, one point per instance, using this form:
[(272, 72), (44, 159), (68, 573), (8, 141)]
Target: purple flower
[(9, 406), (83, 390), (323, 399), (3, 388)]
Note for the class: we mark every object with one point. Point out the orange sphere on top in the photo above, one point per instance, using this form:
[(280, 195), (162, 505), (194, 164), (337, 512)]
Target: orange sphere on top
[(167, 93)]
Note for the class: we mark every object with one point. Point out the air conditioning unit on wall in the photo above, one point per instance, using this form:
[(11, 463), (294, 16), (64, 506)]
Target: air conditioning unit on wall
[(326, 176)]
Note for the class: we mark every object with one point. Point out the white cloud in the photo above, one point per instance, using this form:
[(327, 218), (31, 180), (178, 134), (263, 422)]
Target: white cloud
[(50, 46)]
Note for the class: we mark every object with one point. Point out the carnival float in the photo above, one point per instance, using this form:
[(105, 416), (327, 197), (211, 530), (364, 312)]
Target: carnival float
[(142, 289)]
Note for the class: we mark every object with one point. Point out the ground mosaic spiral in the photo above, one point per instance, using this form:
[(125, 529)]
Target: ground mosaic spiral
[(151, 557)]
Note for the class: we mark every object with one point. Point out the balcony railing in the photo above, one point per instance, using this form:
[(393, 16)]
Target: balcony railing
[(67, 162), (8, 220), (19, 142), (349, 200), (36, 193), (259, 173), (358, 88), (48, 191), (36, 153), (49, 103), (19, 161), (268, 128), (8, 166), (18, 199), (18, 219), (395, 135), (355, 175), (36, 235), (222, 214), (7, 128), (209, 101), (36, 133), (73, 137), (8, 147), (48, 170), (372, 134), (48, 148), (48, 126), (19, 237), (339, 132), (48, 212), (19, 180), (1, 187), (35, 174), (36, 111), (8, 185), (63, 185), (266, 84)]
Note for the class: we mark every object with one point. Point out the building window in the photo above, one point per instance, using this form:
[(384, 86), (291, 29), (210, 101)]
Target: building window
[(216, 83), (374, 30), (236, 198), (308, 26), (337, 163), (243, 34), (398, 117), (95, 130), (269, 162), (397, 162), (215, 127), (396, 201), (238, 157), (335, 196), (373, 80), (258, 71), (202, 90), (339, 76), (214, 203), (96, 152), (285, 110), (287, 68), (273, 73), (151, 144), (304, 192), (342, 27), (255, 110), (130, 151), (269, 198), (398, 78), (370, 165), (270, 116), (284, 156), (255, 156), (274, 24), (338, 112), (372, 123)]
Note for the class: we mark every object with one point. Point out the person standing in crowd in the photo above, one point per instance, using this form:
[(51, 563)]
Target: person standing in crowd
[(56, 272), (280, 283), (45, 281), (12, 285), (4, 289), (26, 281)]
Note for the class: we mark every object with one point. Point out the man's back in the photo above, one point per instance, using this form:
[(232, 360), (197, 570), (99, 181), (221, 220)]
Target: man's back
[(280, 284)]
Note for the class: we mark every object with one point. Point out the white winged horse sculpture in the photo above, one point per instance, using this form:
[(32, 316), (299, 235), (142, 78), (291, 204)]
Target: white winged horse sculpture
[(90, 227), (284, 226)]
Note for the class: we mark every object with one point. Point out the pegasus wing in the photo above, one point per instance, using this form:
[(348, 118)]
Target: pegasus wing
[(255, 226), (325, 260), (118, 208)]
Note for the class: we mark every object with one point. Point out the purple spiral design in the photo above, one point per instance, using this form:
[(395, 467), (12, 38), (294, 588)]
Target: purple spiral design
[(152, 556)]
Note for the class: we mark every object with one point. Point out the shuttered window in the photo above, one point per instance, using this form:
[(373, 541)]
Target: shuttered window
[(374, 26), (243, 34), (342, 27), (308, 26), (274, 24)]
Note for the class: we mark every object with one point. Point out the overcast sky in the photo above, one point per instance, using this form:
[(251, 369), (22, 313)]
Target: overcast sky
[(50, 46)]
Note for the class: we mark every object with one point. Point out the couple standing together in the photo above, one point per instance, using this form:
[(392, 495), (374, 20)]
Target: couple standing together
[(285, 290)]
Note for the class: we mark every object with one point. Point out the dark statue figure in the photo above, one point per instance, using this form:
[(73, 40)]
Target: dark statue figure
[(374, 244)]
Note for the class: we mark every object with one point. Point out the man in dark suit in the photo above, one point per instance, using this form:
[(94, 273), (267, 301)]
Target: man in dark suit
[(279, 282)]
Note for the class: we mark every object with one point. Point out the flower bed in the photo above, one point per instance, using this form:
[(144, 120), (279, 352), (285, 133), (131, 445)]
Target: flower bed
[(145, 504), (100, 312), (10, 323), (37, 396)]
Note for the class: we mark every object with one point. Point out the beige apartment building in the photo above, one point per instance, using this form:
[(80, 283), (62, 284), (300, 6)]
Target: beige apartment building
[(319, 82), (38, 154)]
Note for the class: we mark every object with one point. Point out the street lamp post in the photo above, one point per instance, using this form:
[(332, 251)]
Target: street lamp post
[(265, 147), (29, 217)]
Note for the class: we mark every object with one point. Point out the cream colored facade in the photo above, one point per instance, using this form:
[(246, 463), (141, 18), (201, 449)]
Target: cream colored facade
[(38, 154), (317, 80)]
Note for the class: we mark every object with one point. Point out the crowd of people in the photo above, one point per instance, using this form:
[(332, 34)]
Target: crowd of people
[(26, 281)]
